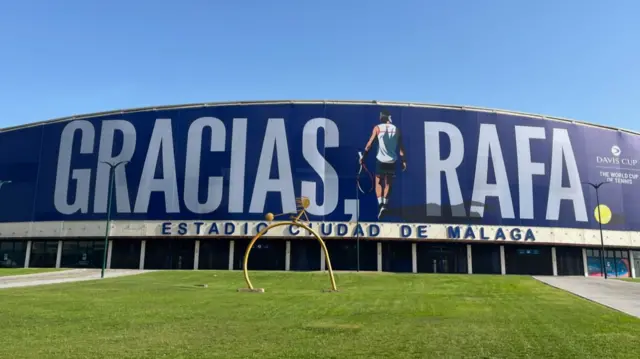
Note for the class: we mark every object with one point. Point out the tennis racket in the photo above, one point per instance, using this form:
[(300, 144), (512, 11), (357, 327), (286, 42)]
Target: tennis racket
[(363, 168)]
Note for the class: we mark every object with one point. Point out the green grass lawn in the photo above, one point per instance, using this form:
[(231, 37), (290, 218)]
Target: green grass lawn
[(19, 271), (165, 315)]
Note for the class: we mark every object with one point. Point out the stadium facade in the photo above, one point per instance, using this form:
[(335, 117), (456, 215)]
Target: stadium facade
[(392, 187)]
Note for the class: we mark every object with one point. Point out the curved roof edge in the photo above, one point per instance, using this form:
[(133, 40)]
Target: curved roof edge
[(336, 102)]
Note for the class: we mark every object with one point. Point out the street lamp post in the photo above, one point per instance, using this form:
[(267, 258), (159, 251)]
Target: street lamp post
[(597, 186), (112, 170)]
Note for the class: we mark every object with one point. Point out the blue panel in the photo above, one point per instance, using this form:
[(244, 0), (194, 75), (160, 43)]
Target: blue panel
[(31, 159), (20, 155)]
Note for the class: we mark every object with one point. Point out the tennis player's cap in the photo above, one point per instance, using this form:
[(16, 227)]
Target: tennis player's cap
[(385, 115)]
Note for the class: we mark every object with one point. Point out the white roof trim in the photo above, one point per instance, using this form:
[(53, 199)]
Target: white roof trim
[(317, 102)]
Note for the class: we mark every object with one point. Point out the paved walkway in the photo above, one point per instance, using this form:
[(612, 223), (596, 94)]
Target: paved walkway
[(617, 294), (72, 275)]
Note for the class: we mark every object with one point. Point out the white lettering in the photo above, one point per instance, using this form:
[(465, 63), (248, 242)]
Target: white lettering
[(320, 165), (192, 169), (161, 140), (105, 154), (489, 147), (562, 152), (275, 142), (436, 165), (526, 168), (81, 176), (237, 168)]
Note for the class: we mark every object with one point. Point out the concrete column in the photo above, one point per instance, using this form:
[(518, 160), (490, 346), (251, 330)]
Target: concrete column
[(287, 256), (59, 254), (584, 262), (143, 250), (27, 256), (379, 256), (631, 262), (323, 261), (414, 257), (196, 255), (469, 260), (503, 265), (232, 245), (109, 253), (554, 261)]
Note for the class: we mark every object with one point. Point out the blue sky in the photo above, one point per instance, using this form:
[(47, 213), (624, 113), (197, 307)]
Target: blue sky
[(571, 58)]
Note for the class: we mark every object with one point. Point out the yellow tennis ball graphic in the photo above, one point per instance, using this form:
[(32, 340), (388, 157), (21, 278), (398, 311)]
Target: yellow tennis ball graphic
[(269, 216), (604, 216)]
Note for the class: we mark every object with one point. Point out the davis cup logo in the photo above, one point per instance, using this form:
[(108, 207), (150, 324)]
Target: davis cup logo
[(615, 150)]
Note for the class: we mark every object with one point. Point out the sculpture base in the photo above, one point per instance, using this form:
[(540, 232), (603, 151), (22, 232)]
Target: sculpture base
[(249, 290)]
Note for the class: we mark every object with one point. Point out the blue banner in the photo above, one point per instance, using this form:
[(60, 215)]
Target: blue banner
[(236, 162)]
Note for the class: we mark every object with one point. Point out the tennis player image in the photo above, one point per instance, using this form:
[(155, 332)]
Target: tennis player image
[(390, 147)]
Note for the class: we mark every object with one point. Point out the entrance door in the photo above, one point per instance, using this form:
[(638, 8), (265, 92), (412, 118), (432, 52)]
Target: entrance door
[(125, 253), (12, 253), (528, 260), (636, 262), (396, 256), (169, 254), (441, 263), (437, 259), (82, 254), (617, 263)]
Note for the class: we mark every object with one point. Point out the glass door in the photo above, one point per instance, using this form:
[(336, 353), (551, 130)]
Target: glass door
[(636, 262), (617, 263), (441, 260)]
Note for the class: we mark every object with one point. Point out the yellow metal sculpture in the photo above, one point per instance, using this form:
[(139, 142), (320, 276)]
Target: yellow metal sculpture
[(301, 205)]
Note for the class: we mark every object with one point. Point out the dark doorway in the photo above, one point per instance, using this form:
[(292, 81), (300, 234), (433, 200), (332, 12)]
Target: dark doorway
[(569, 261), (82, 254), (485, 258), (214, 254), (441, 258), (126, 253), (266, 254), (305, 254), (528, 260), (43, 254), (12, 254), (396, 257), (344, 254), (169, 254)]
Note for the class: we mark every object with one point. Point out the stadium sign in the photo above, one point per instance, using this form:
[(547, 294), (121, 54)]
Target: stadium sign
[(470, 233), (395, 164), (345, 230), (222, 228), (160, 172)]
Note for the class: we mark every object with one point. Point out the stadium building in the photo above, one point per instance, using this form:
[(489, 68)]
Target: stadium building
[(392, 187)]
